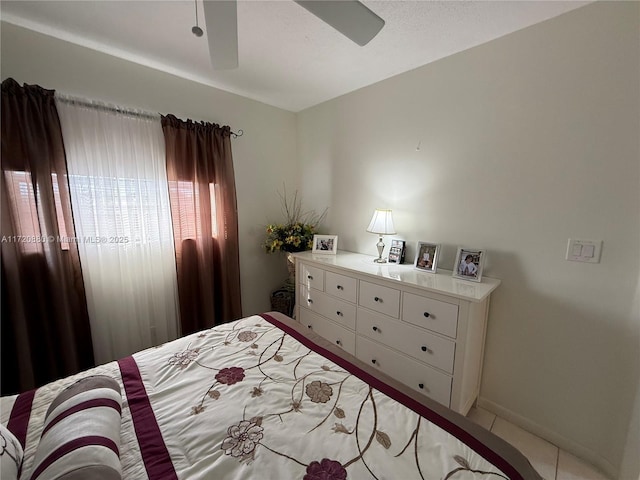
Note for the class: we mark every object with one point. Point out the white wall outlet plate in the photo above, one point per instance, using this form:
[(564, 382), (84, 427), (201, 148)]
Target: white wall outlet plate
[(584, 250)]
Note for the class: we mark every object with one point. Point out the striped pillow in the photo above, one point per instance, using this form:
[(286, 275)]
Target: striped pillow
[(81, 433), (10, 454)]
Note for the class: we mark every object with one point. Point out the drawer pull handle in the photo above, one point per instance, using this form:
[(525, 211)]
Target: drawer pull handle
[(309, 300), (339, 313), (377, 299), (338, 342), (309, 326), (375, 329), (310, 277), (426, 314), (374, 361), (340, 287), (421, 385), (424, 349)]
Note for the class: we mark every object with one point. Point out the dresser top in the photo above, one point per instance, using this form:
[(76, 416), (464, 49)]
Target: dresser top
[(442, 282)]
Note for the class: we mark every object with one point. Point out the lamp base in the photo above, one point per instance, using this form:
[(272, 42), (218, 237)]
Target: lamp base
[(380, 247)]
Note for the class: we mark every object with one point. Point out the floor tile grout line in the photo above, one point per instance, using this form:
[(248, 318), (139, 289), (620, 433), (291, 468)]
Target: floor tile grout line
[(558, 449), (495, 417), (493, 422)]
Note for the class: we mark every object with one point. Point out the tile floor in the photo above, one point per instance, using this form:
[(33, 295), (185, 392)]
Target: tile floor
[(550, 462)]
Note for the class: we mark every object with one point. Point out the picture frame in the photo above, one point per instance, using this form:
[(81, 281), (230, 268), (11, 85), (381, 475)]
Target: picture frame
[(325, 244), (396, 251), (427, 257), (469, 264)]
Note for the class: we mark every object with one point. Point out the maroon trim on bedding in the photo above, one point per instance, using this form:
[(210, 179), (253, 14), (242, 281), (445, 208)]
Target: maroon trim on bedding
[(93, 403), (89, 441), (422, 410), (20, 414), (155, 455)]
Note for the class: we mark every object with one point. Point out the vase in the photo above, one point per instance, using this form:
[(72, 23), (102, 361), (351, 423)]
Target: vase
[(291, 268)]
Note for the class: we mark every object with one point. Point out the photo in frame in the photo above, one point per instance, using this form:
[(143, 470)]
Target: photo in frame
[(325, 244), (469, 263), (427, 257), (397, 251)]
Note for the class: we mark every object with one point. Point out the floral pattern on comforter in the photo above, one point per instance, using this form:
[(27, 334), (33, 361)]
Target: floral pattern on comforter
[(247, 400)]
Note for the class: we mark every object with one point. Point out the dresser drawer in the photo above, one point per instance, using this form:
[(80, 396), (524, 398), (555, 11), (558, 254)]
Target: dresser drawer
[(425, 312), (416, 375), (341, 286), (311, 277), (381, 299), (333, 308), (419, 344), (329, 330)]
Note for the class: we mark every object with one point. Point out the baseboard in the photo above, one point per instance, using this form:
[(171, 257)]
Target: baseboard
[(559, 441)]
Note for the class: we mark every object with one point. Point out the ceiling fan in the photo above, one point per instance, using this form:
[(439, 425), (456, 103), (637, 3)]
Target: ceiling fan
[(350, 17)]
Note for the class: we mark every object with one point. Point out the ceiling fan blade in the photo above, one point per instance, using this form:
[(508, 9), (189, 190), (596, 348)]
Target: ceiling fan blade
[(221, 18), (349, 17)]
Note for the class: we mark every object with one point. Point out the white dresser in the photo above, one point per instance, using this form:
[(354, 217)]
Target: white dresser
[(426, 330)]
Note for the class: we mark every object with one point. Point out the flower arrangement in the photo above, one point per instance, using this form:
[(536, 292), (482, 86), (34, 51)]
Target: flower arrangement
[(296, 233)]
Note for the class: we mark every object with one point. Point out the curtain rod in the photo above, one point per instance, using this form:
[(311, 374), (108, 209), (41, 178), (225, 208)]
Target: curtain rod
[(107, 107)]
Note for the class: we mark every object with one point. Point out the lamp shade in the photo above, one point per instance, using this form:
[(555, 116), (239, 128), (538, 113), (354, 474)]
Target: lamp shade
[(381, 223)]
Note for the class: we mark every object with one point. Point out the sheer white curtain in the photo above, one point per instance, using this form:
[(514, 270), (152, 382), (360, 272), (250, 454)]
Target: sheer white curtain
[(120, 203)]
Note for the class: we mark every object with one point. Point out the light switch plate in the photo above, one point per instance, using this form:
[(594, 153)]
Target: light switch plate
[(584, 250)]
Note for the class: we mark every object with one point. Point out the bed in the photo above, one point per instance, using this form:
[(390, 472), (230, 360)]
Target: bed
[(257, 398)]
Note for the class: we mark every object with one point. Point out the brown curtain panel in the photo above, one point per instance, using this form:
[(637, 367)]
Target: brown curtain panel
[(45, 324), (205, 222)]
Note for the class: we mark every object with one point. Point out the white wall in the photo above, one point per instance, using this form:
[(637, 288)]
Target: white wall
[(264, 157), (524, 142)]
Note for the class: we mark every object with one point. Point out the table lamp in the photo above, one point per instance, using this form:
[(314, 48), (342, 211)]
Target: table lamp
[(381, 224)]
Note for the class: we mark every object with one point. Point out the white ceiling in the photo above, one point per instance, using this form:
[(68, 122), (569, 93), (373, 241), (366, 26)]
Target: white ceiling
[(288, 58)]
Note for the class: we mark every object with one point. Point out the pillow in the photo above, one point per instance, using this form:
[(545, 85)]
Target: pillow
[(81, 433), (10, 454)]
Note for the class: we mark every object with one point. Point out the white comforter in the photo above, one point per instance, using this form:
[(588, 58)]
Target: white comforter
[(247, 400)]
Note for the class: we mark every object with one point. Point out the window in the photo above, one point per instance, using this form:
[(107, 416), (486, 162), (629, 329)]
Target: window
[(128, 209), (25, 212), (185, 206)]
